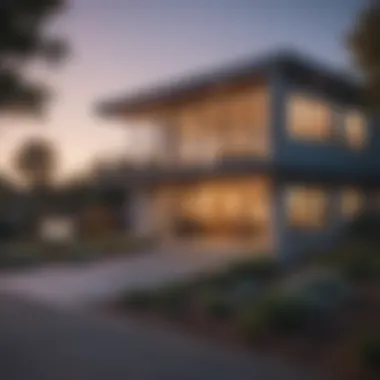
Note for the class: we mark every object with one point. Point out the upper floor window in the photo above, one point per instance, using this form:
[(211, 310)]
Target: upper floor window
[(355, 129), (306, 207), (229, 125), (309, 119)]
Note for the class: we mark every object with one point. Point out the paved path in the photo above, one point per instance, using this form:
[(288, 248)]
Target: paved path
[(82, 284), (42, 343)]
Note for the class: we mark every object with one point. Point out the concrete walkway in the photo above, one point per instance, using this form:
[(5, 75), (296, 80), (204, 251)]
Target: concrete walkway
[(41, 343), (82, 284)]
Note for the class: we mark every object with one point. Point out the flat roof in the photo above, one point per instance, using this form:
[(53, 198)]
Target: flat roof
[(293, 65)]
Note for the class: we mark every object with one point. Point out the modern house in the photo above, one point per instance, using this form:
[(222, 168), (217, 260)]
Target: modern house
[(277, 153)]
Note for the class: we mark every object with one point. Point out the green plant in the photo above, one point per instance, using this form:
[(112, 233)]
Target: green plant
[(252, 324), (361, 268), (322, 289), (369, 352), (218, 281), (172, 298), (216, 305), (366, 227), (259, 268), (286, 313)]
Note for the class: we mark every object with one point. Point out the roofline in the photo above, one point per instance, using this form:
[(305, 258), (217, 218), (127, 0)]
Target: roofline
[(227, 74)]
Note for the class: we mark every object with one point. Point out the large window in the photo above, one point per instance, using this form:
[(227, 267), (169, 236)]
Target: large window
[(352, 202), (225, 125), (198, 137), (226, 206), (309, 119), (355, 129), (306, 207)]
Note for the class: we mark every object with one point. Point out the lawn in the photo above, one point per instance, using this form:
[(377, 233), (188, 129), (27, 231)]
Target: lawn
[(324, 314)]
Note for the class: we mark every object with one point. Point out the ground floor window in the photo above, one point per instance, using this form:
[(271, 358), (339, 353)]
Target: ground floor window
[(352, 202), (306, 207), (224, 208)]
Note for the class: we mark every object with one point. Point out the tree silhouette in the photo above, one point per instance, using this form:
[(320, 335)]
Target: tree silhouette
[(36, 161), (23, 40), (364, 42)]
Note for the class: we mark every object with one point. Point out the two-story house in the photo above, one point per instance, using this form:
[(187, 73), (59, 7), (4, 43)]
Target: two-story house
[(278, 154)]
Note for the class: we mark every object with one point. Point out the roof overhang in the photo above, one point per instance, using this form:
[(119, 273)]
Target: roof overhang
[(292, 65)]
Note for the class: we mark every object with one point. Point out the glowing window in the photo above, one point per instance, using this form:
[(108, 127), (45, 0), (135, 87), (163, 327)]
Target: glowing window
[(309, 119), (306, 207), (352, 202), (355, 129)]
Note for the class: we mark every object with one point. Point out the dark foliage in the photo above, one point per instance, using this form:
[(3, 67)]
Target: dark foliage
[(23, 39), (364, 42)]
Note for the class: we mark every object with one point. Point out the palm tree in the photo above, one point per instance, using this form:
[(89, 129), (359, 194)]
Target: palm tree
[(36, 161)]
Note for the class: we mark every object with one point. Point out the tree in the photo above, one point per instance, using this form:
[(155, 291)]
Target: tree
[(364, 42), (36, 161), (23, 39)]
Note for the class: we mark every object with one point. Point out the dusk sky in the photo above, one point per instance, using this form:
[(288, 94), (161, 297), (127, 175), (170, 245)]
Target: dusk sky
[(121, 45)]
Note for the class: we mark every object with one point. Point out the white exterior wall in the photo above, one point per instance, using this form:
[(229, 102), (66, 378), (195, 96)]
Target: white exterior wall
[(141, 213)]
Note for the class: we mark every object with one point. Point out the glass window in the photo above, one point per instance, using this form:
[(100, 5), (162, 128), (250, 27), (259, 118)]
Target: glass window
[(355, 129), (306, 207), (352, 202), (309, 119), (231, 124)]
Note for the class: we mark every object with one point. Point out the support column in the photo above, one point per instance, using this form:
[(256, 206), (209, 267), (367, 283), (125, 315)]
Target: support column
[(162, 214), (141, 213)]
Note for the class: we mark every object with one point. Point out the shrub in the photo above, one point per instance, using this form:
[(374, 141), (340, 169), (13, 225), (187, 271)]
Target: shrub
[(217, 281), (245, 292), (366, 226), (362, 268), (369, 352), (320, 289), (172, 298), (286, 313), (216, 305), (19, 255), (259, 268), (277, 312), (252, 324)]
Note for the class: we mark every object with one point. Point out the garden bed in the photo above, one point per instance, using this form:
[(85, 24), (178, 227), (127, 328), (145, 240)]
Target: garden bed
[(325, 316)]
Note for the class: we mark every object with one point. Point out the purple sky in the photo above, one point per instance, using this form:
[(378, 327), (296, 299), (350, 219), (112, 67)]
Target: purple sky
[(121, 45)]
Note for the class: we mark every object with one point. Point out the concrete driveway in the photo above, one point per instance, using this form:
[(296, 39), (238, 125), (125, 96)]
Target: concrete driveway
[(43, 343), (40, 341), (82, 284)]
